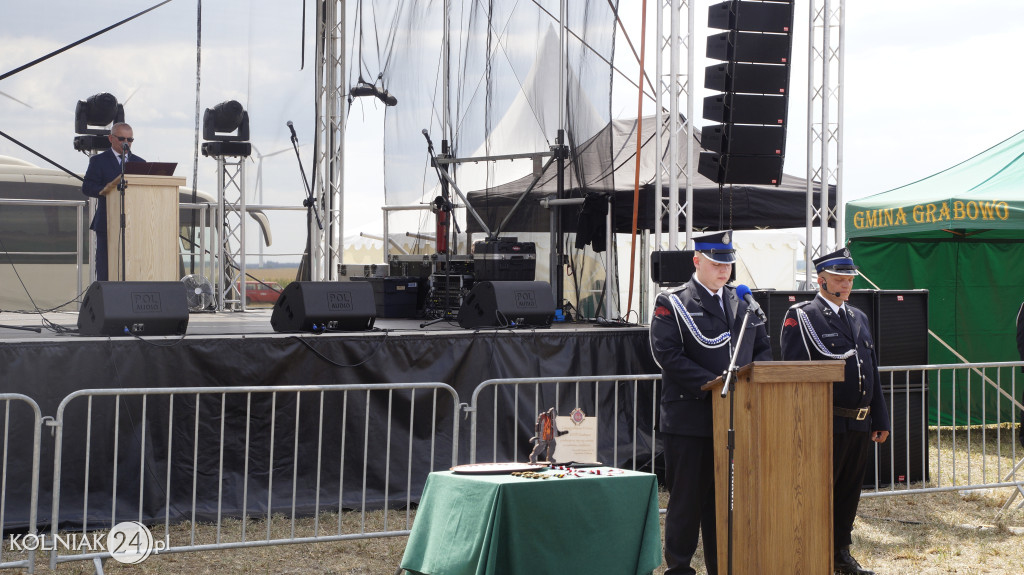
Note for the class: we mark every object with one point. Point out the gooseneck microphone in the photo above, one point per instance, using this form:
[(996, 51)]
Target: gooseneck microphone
[(744, 292), (292, 128)]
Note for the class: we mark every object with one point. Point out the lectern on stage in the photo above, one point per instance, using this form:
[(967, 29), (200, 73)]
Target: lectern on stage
[(782, 502), (151, 228)]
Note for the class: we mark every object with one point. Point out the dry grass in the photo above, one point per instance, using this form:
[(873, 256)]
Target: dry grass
[(953, 532), (918, 534)]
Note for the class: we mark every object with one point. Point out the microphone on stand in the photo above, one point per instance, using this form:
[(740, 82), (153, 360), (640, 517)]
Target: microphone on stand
[(426, 135), (292, 128), (744, 292), (126, 149)]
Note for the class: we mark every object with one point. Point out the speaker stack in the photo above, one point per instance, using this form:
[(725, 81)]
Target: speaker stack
[(748, 143), (898, 322), (324, 306), (133, 308), (508, 304)]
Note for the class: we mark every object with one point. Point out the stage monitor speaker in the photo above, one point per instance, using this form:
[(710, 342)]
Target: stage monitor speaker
[(508, 303), (134, 308), (742, 140), (775, 17), (731, 108), (728, 169), (324, 306)]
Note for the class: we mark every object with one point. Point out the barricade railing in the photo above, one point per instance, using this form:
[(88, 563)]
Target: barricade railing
[(954, 428), (623, 407), (238, 458), (18, 550)]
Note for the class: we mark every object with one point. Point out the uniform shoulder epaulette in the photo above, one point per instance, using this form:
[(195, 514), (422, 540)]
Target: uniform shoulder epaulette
[(800, 304)]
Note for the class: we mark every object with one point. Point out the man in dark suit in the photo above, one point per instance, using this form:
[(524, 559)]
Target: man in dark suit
[(692, 340), (828, 328), (104, 168)]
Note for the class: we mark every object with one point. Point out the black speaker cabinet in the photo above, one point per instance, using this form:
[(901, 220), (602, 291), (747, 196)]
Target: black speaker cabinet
[(323, 306), (139, 308), (729, 108), (728, 169), (674, 267), (900, 459), (776, 17), (507, 303), (740, 139)]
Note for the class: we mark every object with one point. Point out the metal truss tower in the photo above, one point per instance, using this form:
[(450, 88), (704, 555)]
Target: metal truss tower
[(672, 85), (230, 266), (824, 123), (327, 242)]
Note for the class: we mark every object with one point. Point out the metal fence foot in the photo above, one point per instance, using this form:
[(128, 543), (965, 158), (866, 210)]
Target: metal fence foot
[(98, 564)]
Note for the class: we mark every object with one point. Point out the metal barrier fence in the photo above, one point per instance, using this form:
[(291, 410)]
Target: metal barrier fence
[(19, 549), (980, 451), (252, 461), (191, 453), (624, 407)]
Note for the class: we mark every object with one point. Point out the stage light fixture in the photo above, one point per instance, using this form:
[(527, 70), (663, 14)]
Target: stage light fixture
[(363, 88), (226, 125), (224, 118), (93, 118)]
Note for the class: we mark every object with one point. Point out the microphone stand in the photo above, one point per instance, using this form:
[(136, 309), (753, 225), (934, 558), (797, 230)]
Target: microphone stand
[(311, 212), (730, 375), (122, 186), (449, 208)]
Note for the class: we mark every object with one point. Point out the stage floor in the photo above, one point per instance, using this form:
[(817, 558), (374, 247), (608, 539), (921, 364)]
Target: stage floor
[(254, 322)]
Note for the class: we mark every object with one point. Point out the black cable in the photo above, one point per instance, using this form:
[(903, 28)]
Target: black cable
[(13, 139), (76, 43), (56, 328), (317, 352)]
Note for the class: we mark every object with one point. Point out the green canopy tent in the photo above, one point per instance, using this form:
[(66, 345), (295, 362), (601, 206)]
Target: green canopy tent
[(960, 234)]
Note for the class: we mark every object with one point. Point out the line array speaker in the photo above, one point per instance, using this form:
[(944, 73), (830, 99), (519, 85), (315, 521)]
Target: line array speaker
[(323, 306), (133, 308), (748, 145), (507, 303)]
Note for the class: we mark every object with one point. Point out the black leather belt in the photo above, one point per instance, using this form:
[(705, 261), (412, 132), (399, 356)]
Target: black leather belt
[(860, 414)]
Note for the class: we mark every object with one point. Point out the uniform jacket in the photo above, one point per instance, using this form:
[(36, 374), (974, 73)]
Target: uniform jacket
[(861, 386), (103, 168), (687, 363)]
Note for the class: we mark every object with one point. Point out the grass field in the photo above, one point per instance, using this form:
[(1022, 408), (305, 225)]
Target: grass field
[(901, 535)]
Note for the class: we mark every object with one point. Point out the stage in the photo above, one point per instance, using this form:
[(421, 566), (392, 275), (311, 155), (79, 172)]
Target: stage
[(240, 349)]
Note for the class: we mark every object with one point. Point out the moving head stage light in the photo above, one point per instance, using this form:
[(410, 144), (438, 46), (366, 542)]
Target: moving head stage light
[(93, 120)]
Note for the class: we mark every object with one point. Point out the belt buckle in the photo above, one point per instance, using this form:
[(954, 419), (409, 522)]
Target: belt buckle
[(862, 413)]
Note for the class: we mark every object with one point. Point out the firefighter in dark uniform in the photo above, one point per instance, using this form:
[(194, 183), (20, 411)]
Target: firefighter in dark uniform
[(692, 340), (828, 328)]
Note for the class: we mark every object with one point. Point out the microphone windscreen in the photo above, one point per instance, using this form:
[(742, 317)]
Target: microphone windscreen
[(742, 291)]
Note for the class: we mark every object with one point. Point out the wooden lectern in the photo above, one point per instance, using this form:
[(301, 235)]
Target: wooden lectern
[(151, 228), (782, 505)]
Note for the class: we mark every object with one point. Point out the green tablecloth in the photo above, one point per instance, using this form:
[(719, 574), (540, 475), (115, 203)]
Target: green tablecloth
[(503, 524)]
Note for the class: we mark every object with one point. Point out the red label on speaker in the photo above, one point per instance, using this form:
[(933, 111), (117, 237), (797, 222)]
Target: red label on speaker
[(899, 298)]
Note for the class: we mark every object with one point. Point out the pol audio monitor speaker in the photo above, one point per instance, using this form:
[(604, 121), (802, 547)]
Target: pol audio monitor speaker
[(323, 306), (508, 303), (133, 308)]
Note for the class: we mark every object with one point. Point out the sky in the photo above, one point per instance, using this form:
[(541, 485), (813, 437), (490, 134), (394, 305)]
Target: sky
[(928, 84)]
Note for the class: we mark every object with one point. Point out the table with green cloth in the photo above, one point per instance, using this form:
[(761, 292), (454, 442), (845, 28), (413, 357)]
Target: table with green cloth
[(503, 524)]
